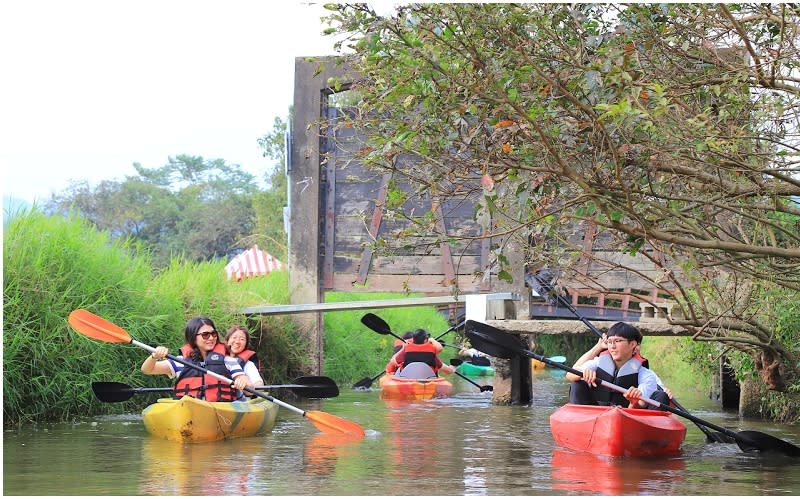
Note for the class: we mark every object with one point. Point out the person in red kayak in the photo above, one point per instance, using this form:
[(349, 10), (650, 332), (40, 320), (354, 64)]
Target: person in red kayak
[(619, 366), (421, 348)]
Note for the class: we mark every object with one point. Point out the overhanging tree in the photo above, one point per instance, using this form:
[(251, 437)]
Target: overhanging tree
[(671, 128)]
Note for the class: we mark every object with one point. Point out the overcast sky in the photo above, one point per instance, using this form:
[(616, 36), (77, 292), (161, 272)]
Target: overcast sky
[(90, 87)]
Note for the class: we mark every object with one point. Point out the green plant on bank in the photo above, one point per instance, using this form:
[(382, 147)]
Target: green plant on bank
[(53, 265), (353, 351)]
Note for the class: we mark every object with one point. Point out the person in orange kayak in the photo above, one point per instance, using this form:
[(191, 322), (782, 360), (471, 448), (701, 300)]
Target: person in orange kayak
[(407, 338), (202, 347), (421, 348), (238, 343), (398, 344), (620, 367)]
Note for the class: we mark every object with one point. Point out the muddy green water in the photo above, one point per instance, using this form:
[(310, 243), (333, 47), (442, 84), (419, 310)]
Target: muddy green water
[(462, 445)]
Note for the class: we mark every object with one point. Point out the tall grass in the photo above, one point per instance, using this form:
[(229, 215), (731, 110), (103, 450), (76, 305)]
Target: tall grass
[(53, 265), (353, 351)]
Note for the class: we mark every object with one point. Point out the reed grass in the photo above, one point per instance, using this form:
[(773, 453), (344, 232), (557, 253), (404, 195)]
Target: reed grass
[(353, 351), (53, 265)]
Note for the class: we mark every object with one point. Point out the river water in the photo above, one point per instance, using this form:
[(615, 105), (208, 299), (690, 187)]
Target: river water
[(462, 445)]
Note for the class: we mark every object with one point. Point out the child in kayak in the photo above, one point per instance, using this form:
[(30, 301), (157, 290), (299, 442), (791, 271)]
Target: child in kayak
[(238, 343)]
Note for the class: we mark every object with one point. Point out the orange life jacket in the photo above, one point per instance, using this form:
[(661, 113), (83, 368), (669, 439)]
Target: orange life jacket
[(198, 384)]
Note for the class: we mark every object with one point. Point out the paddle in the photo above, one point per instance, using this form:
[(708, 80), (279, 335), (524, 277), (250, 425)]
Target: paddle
[(380, 326), (304, 386), (100, 329), (367, 382), (483, 388), (541, 283), (498, 343)]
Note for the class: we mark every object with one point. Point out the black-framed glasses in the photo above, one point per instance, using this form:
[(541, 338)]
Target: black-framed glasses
[(207, 335)]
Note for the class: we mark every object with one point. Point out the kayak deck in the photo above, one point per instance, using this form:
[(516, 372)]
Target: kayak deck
[(194, 421), (419, 383), (616, 431)]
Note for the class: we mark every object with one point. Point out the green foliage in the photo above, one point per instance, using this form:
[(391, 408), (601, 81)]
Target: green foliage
[(268, 205), (353, 351), (53, 265), (648, 122)]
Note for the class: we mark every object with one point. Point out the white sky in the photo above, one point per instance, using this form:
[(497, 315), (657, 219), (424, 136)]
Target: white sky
[(90, 87)]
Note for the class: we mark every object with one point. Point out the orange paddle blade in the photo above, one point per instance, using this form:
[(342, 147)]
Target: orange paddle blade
[(328, 423), (96, 327)]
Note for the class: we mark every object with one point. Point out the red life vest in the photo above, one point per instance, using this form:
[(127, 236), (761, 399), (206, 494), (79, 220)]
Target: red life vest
[(248, 355), (416, 352), (198, 384)]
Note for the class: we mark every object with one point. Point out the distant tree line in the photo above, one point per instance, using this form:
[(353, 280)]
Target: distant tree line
[(194, 207)]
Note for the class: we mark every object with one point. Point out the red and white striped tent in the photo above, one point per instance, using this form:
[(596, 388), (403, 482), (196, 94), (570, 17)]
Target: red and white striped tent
[(251, 263)]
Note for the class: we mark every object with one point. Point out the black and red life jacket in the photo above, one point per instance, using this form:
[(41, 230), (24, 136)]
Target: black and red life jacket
[(420, 352), (198, 384)]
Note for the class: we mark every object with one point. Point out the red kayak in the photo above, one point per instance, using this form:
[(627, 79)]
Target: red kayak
[(616, 431)]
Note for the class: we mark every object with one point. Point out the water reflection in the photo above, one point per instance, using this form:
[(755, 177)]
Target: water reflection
[(581, 471), (323, 451), (461, 445)]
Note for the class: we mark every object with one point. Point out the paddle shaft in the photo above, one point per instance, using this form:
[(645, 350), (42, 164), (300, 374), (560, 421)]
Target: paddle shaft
[(134, 389), (452, 328), (567, 304), (221, 378), (480, 387)]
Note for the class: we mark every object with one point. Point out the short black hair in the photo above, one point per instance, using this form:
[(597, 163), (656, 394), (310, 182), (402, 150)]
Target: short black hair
[(626, 331), (420, 336)]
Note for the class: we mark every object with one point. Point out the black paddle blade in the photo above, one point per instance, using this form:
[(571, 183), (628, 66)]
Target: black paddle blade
[(541, 282), (456, 362), (375, 323), (718, 437), (321, 387), (502, 346), (755, 440), (111, 391), (362, 383), (367, 382)]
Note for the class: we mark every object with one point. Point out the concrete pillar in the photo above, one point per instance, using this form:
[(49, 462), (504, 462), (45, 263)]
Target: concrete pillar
[(310, 100)]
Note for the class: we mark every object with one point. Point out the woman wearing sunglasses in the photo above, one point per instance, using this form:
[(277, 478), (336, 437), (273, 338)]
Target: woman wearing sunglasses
[(204, 348)]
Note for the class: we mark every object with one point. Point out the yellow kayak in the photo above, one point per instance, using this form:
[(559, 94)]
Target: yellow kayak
[(193, 420)]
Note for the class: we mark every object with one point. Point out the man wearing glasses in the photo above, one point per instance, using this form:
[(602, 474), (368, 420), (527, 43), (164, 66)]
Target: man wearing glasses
[(620, 367)]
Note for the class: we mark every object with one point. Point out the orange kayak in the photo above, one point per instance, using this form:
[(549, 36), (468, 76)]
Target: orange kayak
[(616, 431), (416, 381)]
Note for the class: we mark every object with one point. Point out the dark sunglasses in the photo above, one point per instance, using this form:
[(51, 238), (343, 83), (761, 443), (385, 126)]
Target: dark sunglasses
[(205, 336)]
